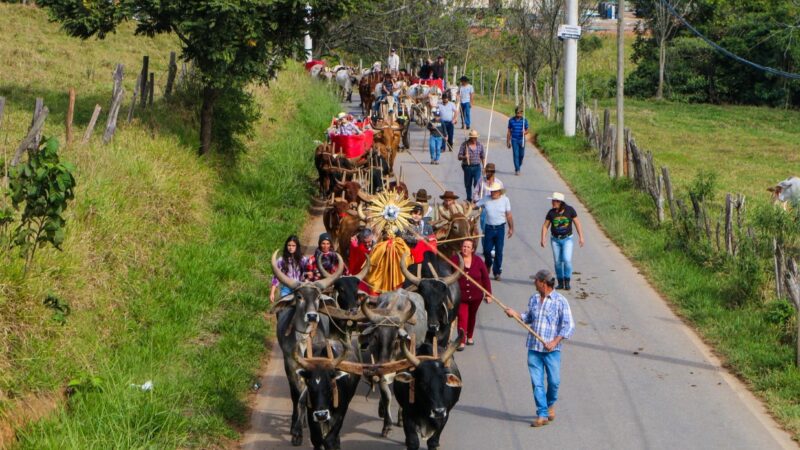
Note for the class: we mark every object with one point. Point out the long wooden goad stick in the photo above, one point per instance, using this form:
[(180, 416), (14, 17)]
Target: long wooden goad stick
[(495, 299)]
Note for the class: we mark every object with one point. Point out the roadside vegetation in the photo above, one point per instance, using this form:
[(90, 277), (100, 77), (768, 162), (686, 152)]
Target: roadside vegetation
[(164, 267)]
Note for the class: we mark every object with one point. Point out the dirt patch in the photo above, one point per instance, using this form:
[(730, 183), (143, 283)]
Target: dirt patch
[(24, 410)]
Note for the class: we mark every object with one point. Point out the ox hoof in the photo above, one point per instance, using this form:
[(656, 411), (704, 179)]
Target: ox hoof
[(386, 431), (297, 440)]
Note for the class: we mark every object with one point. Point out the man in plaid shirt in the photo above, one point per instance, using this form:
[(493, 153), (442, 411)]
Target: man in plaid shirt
[(549, 315)]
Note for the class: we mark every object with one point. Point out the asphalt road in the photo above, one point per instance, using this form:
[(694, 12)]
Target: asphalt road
[(633, 375)]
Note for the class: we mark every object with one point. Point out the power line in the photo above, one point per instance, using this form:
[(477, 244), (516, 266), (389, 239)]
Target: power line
[(726, 52)]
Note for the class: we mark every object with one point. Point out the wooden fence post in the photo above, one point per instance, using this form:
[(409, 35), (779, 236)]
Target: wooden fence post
[(92, 122), (34, 134), (70, 114), (135, 95), (173, 70), (668, 188), (2, 109), (729, 224), (151, 86), (793, 289), (113, 113), (37, 111), (145, 71), (516, 87)]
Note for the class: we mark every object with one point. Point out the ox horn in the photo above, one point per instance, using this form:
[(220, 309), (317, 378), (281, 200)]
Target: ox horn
[(409, 276), (326, 282), (282, 277), (447, 356), (410, 356), (453, 277), (369, 314), (360, 211), (301, 361), (409, 312), (364, 196)]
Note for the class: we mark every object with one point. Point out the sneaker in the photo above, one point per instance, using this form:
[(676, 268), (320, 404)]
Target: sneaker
[(539, 422), (497, 277)]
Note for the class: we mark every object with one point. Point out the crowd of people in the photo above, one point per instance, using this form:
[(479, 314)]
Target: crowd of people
[(547, 313)]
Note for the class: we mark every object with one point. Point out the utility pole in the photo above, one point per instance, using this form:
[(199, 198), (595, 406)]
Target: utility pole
[(307, 43), (619, 171), (570, 71)]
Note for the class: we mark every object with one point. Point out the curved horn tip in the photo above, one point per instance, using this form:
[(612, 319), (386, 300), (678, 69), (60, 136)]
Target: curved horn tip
[(404, 269)]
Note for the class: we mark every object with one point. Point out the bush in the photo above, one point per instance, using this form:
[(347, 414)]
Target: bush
[(590, 43)]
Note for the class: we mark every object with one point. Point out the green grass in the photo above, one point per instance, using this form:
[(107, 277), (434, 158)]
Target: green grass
[(167, 258)]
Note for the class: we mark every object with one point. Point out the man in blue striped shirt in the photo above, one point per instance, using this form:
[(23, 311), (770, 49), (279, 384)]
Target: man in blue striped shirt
[(549, 315), (516, 136)]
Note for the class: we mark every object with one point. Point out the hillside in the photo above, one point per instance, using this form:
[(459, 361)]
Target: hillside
[(165, 259)]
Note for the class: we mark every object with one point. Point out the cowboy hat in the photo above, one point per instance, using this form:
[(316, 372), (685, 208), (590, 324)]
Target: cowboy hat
[(557, 196), (422, 196), (496, 186), (474, 133), (450, 195)]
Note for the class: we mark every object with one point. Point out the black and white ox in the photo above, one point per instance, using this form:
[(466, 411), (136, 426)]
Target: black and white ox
[(786, 193), (298, 318), (398, 314), (442, 294), (330, 375), (427, 392)]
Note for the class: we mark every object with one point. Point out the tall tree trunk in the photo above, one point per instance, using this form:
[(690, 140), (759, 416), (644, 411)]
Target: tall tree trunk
[(662, 62), (210, 96)]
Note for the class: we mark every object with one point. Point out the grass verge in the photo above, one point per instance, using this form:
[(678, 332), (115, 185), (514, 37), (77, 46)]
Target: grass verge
[(195, 326)]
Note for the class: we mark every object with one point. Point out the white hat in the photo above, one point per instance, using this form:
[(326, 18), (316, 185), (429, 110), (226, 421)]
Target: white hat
[(557, 196), (341, 115), (495, 186)]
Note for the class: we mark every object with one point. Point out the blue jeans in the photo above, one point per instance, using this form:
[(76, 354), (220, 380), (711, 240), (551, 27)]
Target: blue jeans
[(493, 239), (518, 148), (562, 255), (435, 144), (472, 176), (539, 364), (447, 127), (466, 115)]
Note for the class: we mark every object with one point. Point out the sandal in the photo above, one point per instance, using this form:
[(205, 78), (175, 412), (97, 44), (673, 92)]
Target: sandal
[(461, 347)]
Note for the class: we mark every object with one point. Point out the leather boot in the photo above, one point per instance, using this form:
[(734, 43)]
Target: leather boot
[(560, 284), (566, 284)]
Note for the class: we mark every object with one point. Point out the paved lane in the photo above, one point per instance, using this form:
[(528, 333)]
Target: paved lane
[(633, 376)]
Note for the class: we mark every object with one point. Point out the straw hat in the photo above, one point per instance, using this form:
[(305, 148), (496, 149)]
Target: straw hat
[(474, 133), (557, 196), (496, 186)]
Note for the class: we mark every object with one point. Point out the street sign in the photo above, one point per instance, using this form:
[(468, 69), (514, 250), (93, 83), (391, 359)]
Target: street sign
[(569, 31)]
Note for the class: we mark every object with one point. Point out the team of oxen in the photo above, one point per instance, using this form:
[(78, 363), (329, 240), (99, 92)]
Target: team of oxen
[(335, 336)]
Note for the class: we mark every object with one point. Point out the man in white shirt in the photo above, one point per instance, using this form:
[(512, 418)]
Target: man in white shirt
[(447, 114), (393, 62), (465, 92), (498, 216)]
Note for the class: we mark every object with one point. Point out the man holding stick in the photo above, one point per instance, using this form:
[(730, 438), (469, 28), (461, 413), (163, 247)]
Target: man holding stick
[(550, 317)]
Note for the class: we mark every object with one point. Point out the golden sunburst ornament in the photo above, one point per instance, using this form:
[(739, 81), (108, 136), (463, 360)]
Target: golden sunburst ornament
[(389, 211)]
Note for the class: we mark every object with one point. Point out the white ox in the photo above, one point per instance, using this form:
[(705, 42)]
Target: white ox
[(787, 192), (345, 77)]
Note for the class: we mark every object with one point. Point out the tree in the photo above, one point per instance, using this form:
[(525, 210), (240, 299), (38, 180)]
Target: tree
[(232, 42), (663, 25), (417, 29)]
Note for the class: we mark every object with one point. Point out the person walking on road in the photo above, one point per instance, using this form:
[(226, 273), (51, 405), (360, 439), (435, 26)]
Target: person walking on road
[(498, 216), (472, 156), (465, 92), (293, 264), (436, 139), (447, 114), (471, 295), (560, 220), (550, 317), (516, 136), (482, 189), (393, 62)]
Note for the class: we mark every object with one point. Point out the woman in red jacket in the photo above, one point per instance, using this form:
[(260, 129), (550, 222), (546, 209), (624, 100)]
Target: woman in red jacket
[(471, 295)]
